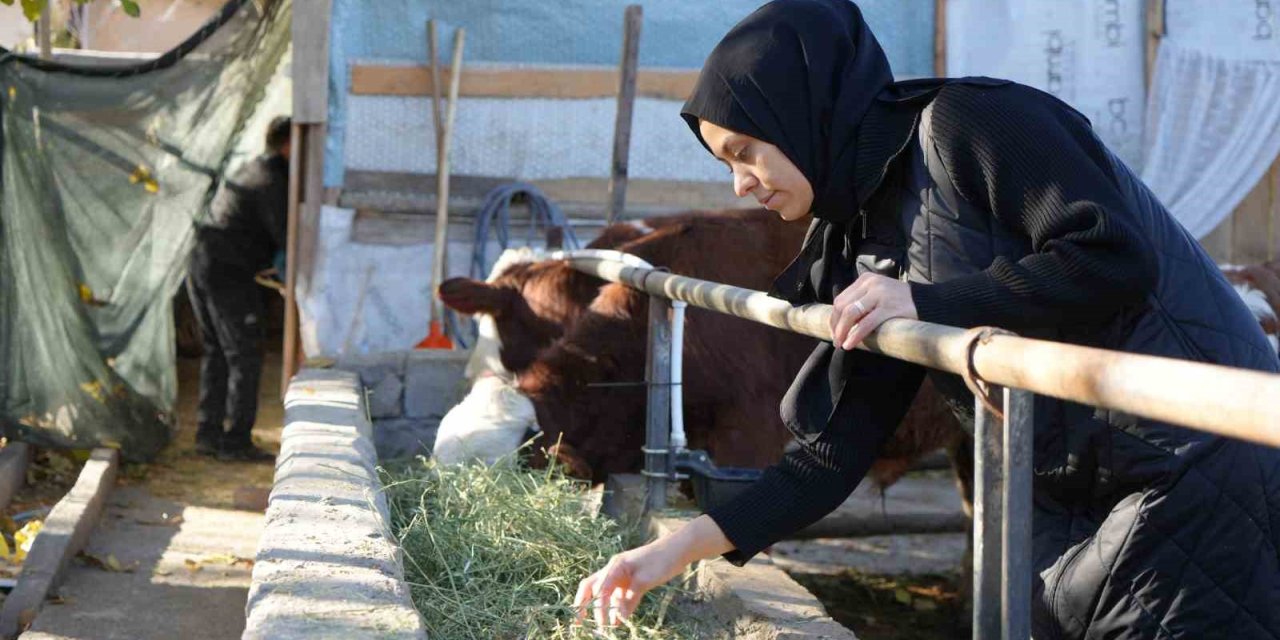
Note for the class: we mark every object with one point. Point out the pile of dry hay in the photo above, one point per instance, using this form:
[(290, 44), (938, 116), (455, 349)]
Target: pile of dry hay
[(497, 552)]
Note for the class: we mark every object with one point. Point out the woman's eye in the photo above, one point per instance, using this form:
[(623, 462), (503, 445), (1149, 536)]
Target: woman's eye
[(741, 154)]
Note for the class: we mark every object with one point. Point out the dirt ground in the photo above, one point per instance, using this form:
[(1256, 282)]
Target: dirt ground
[(180, 474), (892, 607)]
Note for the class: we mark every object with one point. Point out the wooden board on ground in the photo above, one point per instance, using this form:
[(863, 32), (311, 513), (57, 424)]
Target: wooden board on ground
[(13, 470), (65, 533)]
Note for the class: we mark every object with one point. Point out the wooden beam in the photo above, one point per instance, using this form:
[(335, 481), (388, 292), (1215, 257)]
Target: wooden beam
[(632, 21), (310, 71), (297, 153), (527, 82)]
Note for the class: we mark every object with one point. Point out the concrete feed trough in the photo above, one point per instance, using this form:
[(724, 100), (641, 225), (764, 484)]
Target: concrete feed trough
[(327, 565)]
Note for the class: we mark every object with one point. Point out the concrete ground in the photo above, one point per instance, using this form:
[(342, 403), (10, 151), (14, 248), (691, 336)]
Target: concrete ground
[(172, 556), (941, 553)]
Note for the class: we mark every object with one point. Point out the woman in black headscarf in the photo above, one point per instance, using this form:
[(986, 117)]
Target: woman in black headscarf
[(976, 202)]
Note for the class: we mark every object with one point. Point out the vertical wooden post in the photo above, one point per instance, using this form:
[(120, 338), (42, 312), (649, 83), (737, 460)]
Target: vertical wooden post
[(44, 31), (310, 35), (633, 18), (1155, 31), (1273, 212), (298, 152), (940, 38)]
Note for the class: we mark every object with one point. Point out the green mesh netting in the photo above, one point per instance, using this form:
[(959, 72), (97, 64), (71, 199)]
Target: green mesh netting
[(105, 170)]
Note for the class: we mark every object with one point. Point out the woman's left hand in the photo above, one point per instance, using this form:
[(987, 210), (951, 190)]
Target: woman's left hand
[(865, 305)]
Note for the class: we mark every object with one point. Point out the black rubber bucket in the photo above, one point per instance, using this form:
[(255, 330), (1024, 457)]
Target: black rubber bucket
[(714, 486)]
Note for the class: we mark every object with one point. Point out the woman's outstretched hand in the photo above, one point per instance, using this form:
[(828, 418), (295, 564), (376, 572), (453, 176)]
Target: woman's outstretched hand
[(614, 592), (865, 305)]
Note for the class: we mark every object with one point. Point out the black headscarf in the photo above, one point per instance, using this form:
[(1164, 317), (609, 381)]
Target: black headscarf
[(809, 77), (799, 74)]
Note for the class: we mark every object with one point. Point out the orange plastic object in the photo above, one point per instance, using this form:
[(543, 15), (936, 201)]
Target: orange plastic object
[(436, 339)]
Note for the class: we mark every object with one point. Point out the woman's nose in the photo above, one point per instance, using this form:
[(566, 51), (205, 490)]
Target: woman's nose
[(743, 183)]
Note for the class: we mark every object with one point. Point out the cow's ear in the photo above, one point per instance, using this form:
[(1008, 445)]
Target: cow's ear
[(468, 296)]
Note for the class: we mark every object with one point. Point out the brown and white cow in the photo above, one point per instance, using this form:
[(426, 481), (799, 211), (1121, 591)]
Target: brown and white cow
[(1259, 287), (577, 346)]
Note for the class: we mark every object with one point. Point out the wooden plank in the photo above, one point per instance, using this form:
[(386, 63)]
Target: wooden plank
[(632, 21), (413, 193), (1273, 224), (523, 82), (1218, 242), (65, 533), (13, 470), (1251, 223), (310, 69)]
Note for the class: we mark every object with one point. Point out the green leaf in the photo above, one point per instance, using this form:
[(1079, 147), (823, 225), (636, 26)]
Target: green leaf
[(32, 8), (130, 7)]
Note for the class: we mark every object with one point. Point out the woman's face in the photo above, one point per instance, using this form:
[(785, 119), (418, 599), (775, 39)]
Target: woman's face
[(760, 170)]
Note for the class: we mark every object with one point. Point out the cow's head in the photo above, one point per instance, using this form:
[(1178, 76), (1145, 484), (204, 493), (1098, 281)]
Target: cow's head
[(588, 388), (530, 305)]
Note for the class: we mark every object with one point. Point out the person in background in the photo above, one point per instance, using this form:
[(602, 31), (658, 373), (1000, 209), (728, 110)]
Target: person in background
[(244, 231)]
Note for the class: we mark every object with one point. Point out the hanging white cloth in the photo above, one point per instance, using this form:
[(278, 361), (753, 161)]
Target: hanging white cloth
[(1089, 53), (1213, 117)]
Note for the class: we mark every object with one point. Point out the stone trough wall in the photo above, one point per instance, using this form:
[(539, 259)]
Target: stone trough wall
[(407, 394)]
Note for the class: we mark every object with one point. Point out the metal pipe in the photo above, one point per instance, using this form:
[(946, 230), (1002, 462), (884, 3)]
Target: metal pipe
[(678, 440), (988, 511), (1179, 392), (1016, 534), (657, 453), (600, 254)]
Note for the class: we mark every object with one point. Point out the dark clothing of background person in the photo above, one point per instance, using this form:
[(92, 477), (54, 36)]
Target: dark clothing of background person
[(246, 227), (999, 206)]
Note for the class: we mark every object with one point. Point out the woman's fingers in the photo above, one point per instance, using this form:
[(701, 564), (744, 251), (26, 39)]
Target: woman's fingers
[(601, 589), (583, 598), (855, 292), (865, 326), (617, 606), (849, 318)]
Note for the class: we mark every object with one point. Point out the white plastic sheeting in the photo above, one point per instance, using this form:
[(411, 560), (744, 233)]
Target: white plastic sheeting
[(1214, 119), (529, 139), (391, 314), (1089, 53)]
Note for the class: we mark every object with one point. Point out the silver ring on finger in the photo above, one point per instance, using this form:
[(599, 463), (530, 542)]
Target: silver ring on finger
[(862, 309)]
